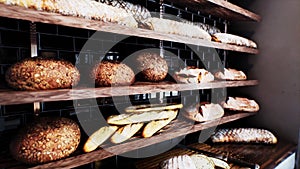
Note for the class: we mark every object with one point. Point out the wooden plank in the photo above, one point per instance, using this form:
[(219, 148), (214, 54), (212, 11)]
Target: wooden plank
[(219, 8), (20, 97), (182, 128), (17, 12)]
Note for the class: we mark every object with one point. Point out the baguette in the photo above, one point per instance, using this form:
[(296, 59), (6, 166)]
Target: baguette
[(124, 119), (244, 135), (126, 132), (233, 39), (155, 126), (98, 137), (152, 107)]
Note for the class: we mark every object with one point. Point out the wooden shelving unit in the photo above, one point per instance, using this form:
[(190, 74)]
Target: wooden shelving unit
[(17, 12), (182, 128), (219, 8), (20, 97)]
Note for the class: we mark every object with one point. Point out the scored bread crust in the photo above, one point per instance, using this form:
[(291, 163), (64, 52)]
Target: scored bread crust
[(98, 137), (233, 39), (178, 162), (231, 74), (244, 135), (126, 132), (124, 119), (241, 104), (203, 111), (40, 73), (152, 107)]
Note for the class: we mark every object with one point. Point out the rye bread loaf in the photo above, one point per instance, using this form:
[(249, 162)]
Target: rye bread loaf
[(39, 73), (151, 66), (45, 139), (112, 74)]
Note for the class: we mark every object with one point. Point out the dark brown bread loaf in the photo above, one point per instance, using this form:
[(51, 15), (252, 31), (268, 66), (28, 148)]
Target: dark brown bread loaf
[(152, 66), (112, 74), (46, 139), (42, 73)]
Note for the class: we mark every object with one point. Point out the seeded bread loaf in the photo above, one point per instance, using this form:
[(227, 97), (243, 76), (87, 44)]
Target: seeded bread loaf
[(42, 73), (46, 139), (151, 66), (112, 74)]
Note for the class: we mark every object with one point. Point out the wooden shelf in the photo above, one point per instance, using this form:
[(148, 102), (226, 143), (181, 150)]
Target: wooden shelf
[(177, 128), (17, 12), (9, 97), (219, 8)]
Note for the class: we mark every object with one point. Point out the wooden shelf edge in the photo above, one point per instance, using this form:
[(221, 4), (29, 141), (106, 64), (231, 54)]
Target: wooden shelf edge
[(22, 97), (220, 8), (17, 12), (137, 144)]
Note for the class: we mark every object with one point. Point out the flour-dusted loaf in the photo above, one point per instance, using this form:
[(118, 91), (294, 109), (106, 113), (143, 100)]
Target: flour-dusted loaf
[(241, 104), (179, 28), (193, 75), (151, 66), (178, 162), (244, 135), (40, 73), (202, 161), (203, 111), (46, 139), (230, 74), (233, 39), (112, 74)]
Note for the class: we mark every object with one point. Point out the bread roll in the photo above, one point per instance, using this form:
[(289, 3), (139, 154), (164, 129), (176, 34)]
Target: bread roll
[(46, 139), (112, 74), (42, 73), (151, 66)]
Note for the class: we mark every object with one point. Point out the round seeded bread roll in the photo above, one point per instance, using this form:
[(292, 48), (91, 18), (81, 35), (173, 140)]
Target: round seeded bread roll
[(46, 139), (152, 66), (112, 74), (42, 73)]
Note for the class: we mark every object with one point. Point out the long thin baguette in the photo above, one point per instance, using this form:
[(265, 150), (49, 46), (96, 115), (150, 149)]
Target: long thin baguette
[(155, 126), (98, 137), (126, 132), (124, 119), (152, 107), (244, 135)]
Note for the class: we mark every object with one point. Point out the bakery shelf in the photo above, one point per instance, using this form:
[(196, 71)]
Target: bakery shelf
[(219, 8), (182, 128), (9, 97), (22, 13)]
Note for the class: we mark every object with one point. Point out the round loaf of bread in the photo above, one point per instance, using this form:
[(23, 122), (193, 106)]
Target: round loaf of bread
[(151, 66), (112, 74), (46, 139), (42, 73)]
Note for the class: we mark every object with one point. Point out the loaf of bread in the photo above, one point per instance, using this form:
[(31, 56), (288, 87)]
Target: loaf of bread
[(241, 104), (42, 73), (152, 107), (112, 74), (193, 75), (112, 11), (233, 39), (203, 111), (126, 132), (244, 135), (179, 28), (151, 66), (45, 140), (230, 74), (178, 162)]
